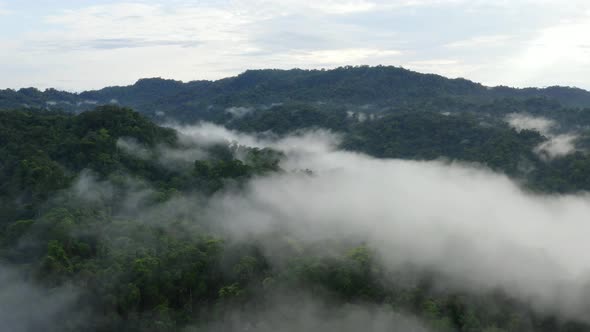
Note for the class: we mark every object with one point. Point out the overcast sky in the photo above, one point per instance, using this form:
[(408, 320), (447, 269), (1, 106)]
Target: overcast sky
[(86, 44)]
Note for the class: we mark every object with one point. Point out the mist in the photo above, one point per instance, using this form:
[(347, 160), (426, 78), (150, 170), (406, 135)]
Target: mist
[(179, 157), (287, 312), (528, 122), (477, 228), (557, 145), (239, 111), (25, 306)]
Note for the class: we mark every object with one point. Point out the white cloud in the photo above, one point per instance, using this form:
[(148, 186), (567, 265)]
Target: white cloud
[(239, 111), (558, 53), (341, 56), (303, 312), (525, 121), (478, 229), (481, 41), (475, 226), (4, 10), (557, 146), (51, 307), (206, 134), (118, 43), (342, 7), (272, 8), (448, 67), (143, 22), (333, 7)]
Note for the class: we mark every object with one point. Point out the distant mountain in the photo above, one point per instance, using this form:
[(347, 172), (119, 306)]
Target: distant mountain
[(381, 86)]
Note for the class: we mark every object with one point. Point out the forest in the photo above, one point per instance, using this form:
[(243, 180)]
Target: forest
[(295, 200)]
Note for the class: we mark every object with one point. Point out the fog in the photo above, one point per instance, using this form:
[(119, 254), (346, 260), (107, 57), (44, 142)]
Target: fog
[(557, 145), (26, 307), (193, 142), (239, 111), (179, 157), (525, 121), (303, 141), (302, 312), (477, 228)]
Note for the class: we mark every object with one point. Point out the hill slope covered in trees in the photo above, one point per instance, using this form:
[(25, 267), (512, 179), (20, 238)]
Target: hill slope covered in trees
[(381, 86), (111, 218), (354, 198)]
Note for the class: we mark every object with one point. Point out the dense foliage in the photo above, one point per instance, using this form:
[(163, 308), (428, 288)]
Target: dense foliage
[(167, 270), (381, 86)]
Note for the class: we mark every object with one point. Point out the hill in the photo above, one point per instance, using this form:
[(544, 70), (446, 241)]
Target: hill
[(100, 224), (375, 87)]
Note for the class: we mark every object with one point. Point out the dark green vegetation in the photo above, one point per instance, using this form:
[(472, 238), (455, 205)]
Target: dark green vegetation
[(136, 273), (380, 86), (78, 209), (472, 136), (43, 152)]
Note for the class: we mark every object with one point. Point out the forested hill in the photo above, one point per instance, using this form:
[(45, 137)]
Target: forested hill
[(377, 86), (109, 222), (295, 198)]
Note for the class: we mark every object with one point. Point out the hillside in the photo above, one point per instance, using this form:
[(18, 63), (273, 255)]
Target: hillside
[(375, 193), (124, 225), (373, 86)]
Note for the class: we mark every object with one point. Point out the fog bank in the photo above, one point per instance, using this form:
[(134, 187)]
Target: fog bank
[(478, 228)]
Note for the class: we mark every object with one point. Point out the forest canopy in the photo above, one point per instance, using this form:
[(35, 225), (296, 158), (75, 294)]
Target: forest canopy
[(360, 197)]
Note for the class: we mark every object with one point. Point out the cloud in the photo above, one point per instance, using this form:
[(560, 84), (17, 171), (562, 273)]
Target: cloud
[(86, 189), (342, 7), (478, 229), (133, 147), (342, 56), (292, 313), (143, 25), (211, 39), (333, 7), (3, 10), (556, 53), (116, 43), (206, 134), (179, 157), (449, 67), (307, 141), (239, 112), (529, 122), (25, 306), (557, 145), (481, 41)]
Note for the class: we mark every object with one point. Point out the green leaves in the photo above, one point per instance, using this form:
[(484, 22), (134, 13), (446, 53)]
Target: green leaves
[(56, 261)]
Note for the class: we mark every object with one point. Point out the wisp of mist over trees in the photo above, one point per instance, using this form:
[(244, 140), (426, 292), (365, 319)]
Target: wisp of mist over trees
[(357, 198)]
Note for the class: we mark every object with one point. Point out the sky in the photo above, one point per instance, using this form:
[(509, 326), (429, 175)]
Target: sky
[(77, 45)]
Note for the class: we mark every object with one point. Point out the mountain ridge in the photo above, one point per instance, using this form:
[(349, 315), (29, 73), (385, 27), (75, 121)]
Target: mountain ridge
[(382, 85)]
